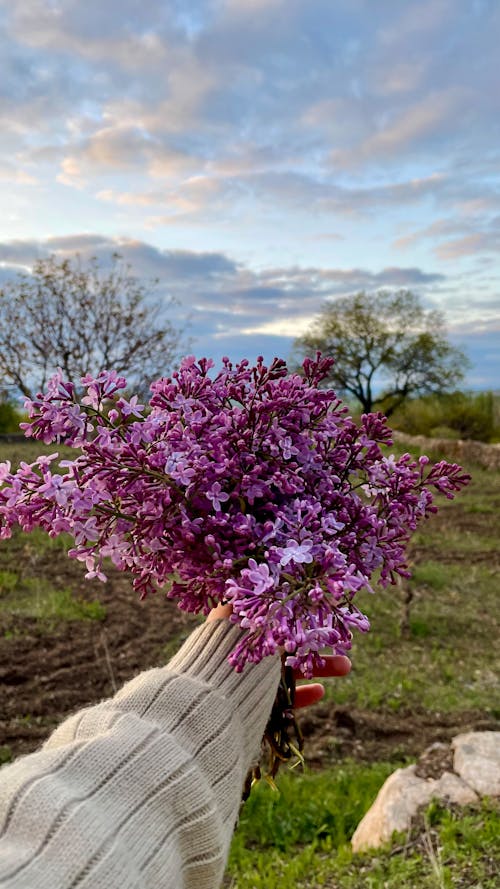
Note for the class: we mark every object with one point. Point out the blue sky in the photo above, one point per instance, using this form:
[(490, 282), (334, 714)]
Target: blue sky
[(261, 156)]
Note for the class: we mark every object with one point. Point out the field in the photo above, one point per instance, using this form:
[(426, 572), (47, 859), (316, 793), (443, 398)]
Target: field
[(428, 670)]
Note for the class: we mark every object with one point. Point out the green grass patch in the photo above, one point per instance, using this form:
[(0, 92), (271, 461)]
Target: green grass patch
[(39, 542), (451, 542), (280, 833), (300, 838), (28, 451), (9, 582), (310, 806), (435, 575), (36, 598)]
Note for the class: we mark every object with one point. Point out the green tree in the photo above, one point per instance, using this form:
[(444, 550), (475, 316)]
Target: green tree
[(385, 341), (83, 319)]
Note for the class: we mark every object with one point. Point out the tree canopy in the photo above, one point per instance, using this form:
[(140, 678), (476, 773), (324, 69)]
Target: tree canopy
[(83, 319), (387, 347)]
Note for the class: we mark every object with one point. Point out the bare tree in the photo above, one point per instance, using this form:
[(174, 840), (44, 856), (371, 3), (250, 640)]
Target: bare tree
[(83, 319), (388, 340)]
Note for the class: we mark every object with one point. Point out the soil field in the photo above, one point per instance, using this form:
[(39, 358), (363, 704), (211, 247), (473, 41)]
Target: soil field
[(50, 668)]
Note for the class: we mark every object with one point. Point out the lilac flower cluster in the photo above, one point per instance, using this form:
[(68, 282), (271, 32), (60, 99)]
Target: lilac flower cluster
[(254, 487)]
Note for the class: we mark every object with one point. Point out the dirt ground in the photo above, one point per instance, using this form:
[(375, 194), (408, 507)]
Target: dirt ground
[(49, 671)]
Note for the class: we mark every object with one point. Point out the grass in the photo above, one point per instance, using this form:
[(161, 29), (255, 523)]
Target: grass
[(28, 451), (280, 834), (300, 836), (452, 651), (310, 807), (447, 663), (34, 596), (37, 598), (5, 754)]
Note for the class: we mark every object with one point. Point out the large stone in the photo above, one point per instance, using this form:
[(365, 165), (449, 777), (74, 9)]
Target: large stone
[(397, 801), (477, 761)]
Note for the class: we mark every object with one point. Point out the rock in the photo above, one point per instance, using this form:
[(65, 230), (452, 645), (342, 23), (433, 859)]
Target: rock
[(477, 761), (450, 787), (397, 802), (404, 793)]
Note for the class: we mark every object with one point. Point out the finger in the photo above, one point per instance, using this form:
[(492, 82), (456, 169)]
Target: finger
[(308, 694), (335, 665), (220, 612)]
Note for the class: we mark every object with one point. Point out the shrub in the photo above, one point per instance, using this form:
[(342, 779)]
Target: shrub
[(9, 417), (465, 415)]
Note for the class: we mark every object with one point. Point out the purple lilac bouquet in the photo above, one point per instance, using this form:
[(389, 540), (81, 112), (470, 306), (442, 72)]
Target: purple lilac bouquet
[(253, 487)]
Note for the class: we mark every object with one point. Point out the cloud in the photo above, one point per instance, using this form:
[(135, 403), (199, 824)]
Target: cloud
[(9, 174), (189, 198), (456, 238), (429, 18), (197, 196), (21, 253), (246, 7), (400, 78), (178, 265), (77, 243), (409, 128), (217, 286), (233, 130), (244, 101), (469, 245)]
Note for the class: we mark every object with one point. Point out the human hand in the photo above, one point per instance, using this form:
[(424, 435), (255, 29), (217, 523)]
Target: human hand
[(305, 695), (335, 665)]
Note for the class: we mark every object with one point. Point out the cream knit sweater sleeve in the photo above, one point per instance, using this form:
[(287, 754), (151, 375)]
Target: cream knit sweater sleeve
[(141, 791)]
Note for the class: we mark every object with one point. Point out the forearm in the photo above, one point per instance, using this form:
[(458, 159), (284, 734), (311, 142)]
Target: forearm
[(142, 790)]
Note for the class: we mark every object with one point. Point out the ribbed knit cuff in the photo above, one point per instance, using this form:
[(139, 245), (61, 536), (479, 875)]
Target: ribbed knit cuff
[(250, 693)]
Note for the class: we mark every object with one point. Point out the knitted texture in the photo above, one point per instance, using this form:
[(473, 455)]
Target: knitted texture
[(141, 790)]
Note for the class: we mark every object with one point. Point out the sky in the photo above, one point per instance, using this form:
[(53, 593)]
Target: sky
[(261, 157)]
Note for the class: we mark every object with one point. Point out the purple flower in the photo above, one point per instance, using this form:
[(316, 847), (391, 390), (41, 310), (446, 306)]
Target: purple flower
[(299, 553), (130, 408), (251, 485), (217, 496), (287, 448)]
